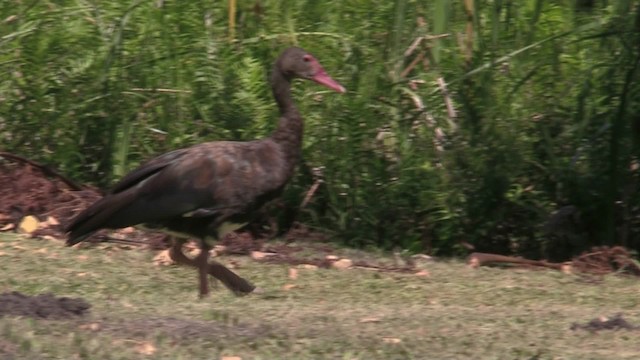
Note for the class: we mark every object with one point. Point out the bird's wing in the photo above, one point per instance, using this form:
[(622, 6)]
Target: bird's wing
[(197, 181)]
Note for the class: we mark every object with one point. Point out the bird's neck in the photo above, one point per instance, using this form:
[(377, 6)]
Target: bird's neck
[(290, 127)]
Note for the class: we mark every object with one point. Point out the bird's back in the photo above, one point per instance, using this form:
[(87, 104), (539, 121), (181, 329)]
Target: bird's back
[(192, 190)]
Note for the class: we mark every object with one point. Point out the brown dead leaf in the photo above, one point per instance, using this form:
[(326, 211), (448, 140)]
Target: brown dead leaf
[(231, 358), (82, 257), (8, 227), (259, 255), (370, 320), (52, 221), (308, 266), (293, 273), (391, 340), (41, 251), (82, 274), (163, 258), (90, 326), (220, 249), (128, 230), (28, 224), (2, 253), (342, 264), (145, 348), (423, 273), (287, 287), (18, 247), (332, 257)]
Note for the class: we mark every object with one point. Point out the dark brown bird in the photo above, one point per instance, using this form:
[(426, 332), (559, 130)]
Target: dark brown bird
[(209, 189)]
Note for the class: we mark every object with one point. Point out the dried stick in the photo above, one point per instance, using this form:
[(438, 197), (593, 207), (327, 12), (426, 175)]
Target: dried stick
[(478, 259)]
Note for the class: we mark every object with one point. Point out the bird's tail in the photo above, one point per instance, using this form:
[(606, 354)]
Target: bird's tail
[(97, 216)]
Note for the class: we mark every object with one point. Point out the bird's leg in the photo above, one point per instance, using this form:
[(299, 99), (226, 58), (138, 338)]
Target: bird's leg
[(202, 262), (176, 254), (231, 280)]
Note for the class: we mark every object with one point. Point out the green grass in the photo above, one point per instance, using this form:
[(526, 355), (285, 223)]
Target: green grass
[(456, 312)]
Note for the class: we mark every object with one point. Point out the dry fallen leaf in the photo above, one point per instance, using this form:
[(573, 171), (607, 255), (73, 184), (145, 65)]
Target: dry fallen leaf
[(391, 340), (28, 224), (7, 227), (287, 287), (332, 257), (370, 320), (308, 266), (82, 274), (231, 358), (2, 253), (259, 255), (49, 237), (423, 273), (128, 230), (52, 221), (163, 258), (90, 326), (342, 264), (82, 257), (145, 348), (293, 273), (41, 251)]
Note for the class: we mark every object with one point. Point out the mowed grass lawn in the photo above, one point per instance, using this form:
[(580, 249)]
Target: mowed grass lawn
[(140, 310)]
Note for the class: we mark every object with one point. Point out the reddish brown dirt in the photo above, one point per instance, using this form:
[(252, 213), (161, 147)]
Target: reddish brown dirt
[(44, 306)]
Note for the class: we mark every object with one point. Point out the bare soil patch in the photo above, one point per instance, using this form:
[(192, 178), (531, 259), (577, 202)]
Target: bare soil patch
[(44, 306), (615, 323)]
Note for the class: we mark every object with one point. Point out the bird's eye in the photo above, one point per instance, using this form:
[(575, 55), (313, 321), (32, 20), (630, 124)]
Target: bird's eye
[(306, 58)]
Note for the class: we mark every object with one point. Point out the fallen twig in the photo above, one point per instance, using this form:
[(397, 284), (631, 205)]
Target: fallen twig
[(478, 259)]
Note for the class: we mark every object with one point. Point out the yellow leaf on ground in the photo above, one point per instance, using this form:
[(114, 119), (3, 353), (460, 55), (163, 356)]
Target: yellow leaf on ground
[(342, 264), (308, 267), (145, 348), (423, 273), (259, 255), (28, 224), (90, 326), (163, 258), (52, 221), (391, 340), (370, 320), (293, 273)]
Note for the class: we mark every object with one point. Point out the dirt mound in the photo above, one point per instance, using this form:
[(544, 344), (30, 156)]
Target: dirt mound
[(44, 306), (603, 323)]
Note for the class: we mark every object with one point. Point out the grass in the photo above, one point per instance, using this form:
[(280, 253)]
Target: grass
[(456, 312)]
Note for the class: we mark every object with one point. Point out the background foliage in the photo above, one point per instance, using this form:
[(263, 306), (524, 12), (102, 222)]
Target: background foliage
[(530, 146)]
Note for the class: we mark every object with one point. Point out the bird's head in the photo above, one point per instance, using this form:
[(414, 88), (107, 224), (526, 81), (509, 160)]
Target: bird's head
[(296, 62)]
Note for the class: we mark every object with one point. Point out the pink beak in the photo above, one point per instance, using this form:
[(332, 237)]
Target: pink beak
[(322, 78)]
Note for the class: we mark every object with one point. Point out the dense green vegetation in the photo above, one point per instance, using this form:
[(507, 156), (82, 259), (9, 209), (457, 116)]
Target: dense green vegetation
[(541, 111)]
